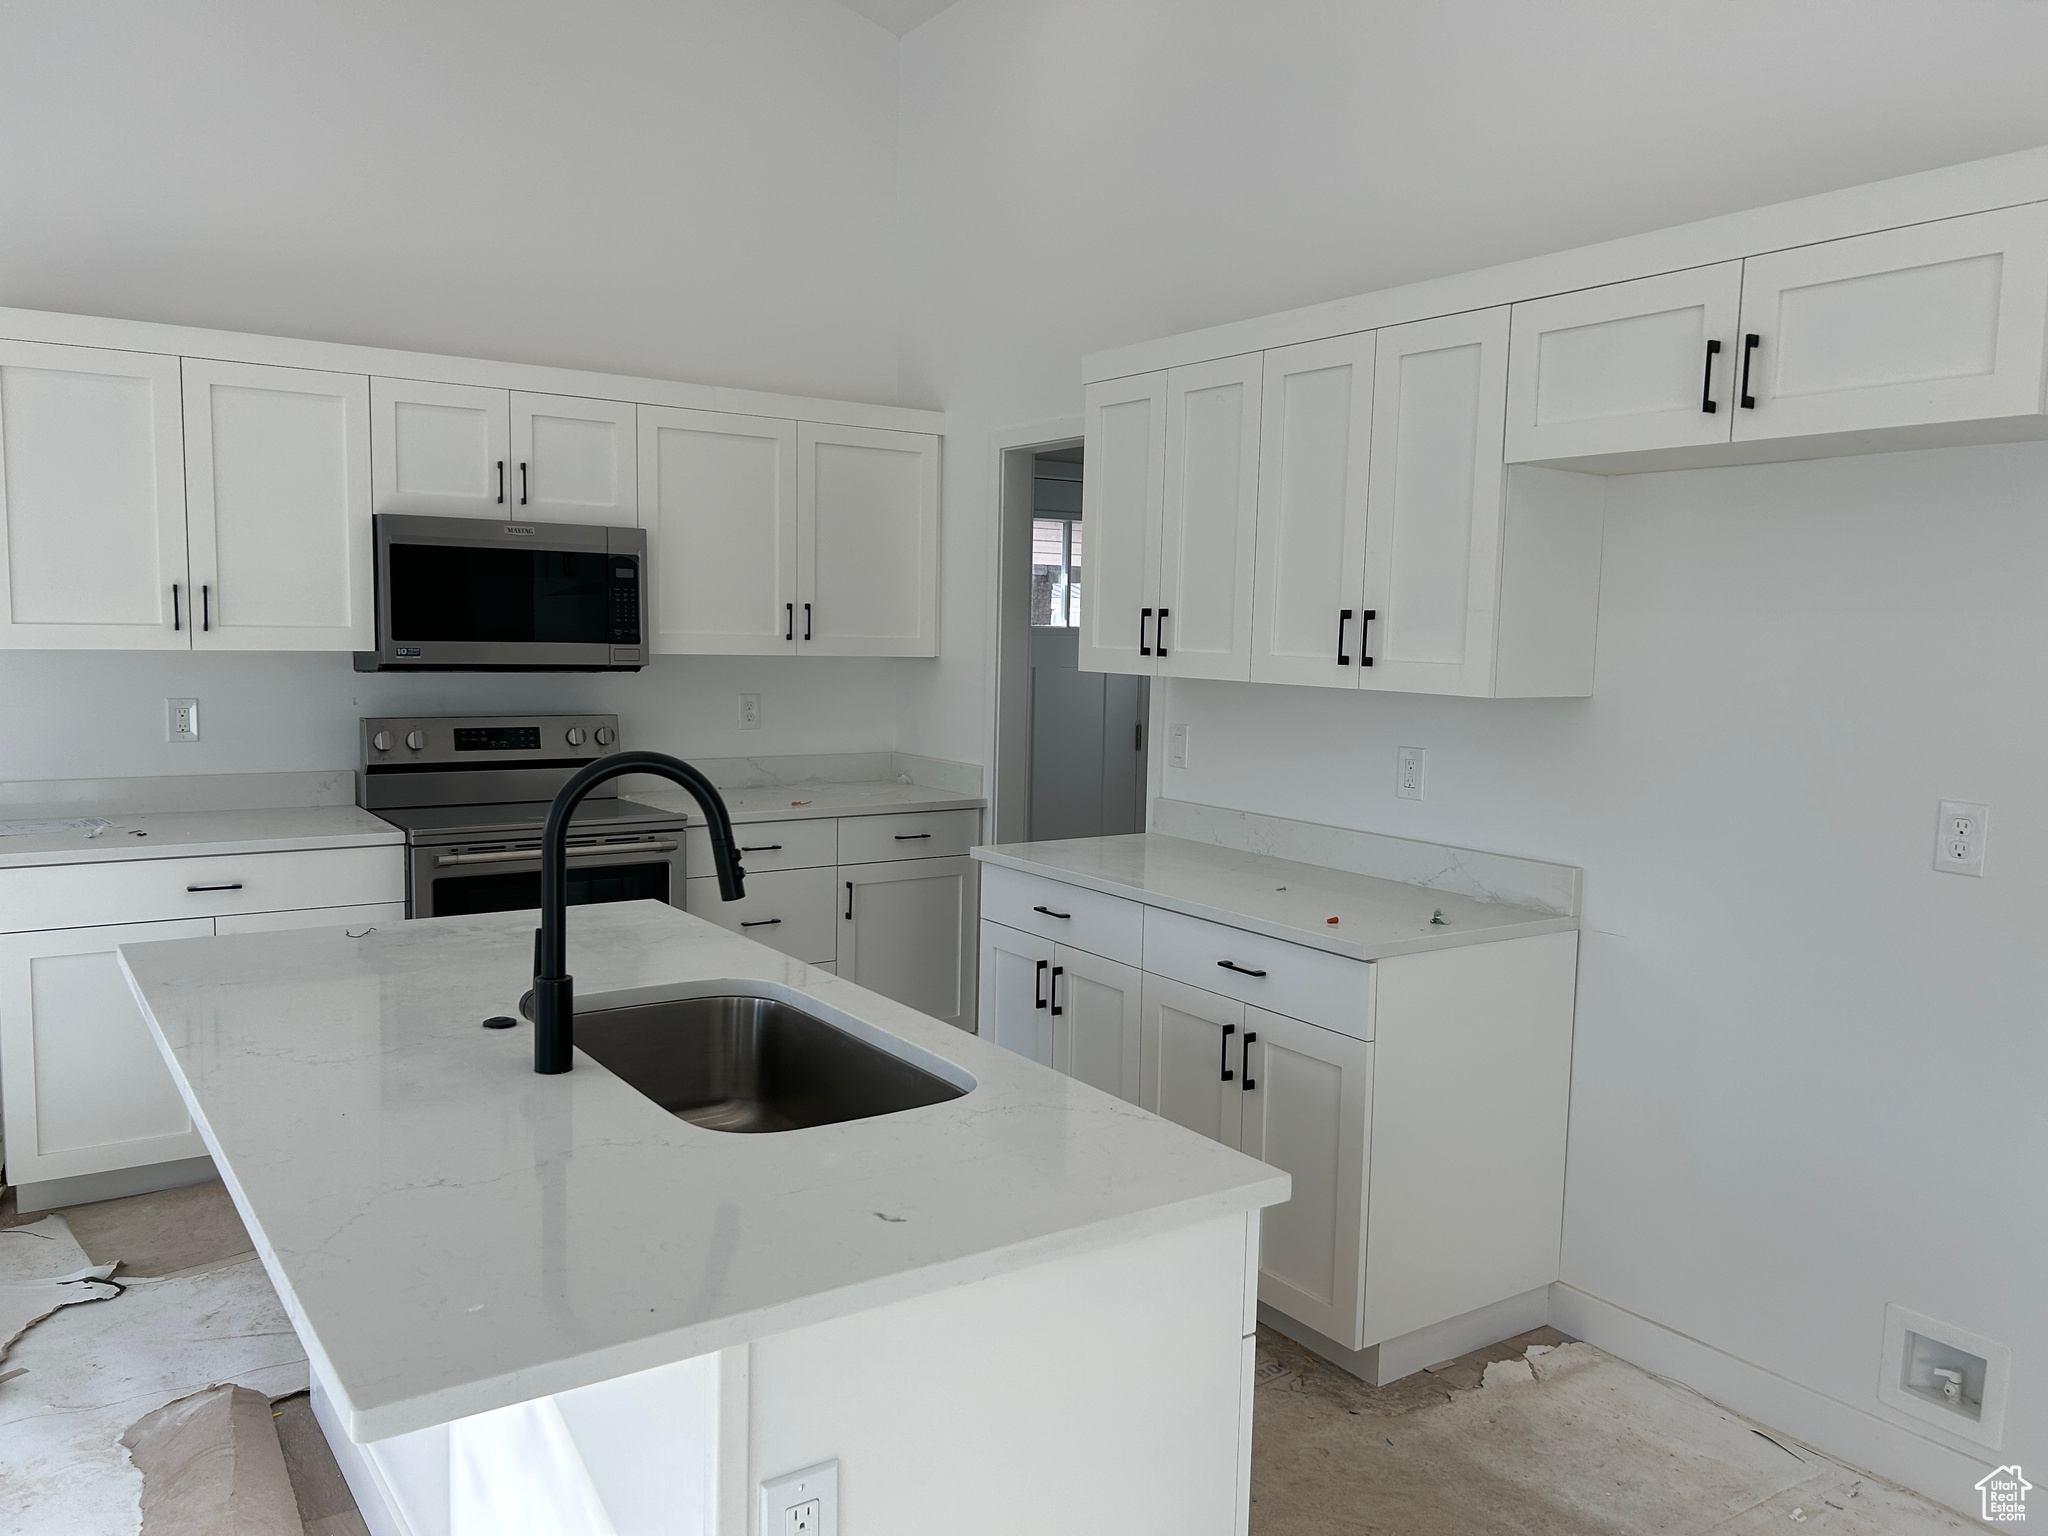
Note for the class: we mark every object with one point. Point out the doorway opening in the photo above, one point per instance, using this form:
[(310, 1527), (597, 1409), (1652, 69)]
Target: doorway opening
[(1071, 745)]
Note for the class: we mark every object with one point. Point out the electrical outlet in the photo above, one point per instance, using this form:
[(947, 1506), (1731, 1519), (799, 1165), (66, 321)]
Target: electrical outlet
[(803, 1503), (181, 719), (1414, 764), (750, 711), (1176, 746), (1959, 837)]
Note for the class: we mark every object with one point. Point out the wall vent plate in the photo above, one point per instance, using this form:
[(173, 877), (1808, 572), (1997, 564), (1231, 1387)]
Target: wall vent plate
[(1918, 1349), (802, 1503)]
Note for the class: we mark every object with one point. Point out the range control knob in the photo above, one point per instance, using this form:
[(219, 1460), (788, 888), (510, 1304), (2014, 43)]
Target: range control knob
[(575, 736), (381, 741), (417, 740), (606, 735)]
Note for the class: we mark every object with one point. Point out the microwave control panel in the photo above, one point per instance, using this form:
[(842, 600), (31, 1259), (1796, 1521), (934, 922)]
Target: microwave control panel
[(625, 601)]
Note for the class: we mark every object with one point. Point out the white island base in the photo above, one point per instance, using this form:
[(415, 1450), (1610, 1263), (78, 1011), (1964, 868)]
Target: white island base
[(1107, 1391)]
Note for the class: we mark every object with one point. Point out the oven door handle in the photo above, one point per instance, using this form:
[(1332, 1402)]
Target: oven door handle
[(532, 855)]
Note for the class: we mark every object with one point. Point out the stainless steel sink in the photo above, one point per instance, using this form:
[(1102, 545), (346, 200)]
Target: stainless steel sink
[(753, 1064)]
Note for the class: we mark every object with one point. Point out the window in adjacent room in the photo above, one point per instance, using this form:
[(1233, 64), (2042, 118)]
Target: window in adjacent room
[(1055, 543)]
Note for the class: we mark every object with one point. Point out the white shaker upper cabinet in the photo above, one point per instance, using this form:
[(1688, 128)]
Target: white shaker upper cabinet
[(277, 474), (1625, 367), (1314, 451), (1930, 323), (718, 498), (867, 542), (441, 449), (573, 460), (1122, 500), (1432, 557), (92, 500), (1208, 535)]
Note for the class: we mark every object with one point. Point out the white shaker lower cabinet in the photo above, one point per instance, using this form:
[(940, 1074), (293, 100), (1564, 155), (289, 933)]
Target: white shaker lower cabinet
[(1192, 1046), (1095, 1007), (786, 909), (907, 931), (1012, 972)]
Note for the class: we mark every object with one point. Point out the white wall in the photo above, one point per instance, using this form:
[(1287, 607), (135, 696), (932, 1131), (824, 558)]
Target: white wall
[(1809, 1069)]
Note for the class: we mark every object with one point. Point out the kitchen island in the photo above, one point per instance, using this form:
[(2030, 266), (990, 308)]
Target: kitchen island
[(1026, 1308)]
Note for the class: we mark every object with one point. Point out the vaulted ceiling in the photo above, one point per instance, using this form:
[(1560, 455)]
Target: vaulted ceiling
[(899, 16)]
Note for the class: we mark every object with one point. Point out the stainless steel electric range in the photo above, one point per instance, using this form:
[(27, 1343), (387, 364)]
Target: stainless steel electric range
[(471, 793)]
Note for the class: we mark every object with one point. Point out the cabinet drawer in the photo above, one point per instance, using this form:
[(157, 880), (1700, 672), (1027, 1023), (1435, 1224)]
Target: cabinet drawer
[(1103, 925), (1300, 982), (151, 890), (925, 835), (791, 910), (766, 845)]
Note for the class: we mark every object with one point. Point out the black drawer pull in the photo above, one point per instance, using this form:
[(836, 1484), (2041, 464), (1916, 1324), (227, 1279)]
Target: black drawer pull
[(1365, 617), (789, 621), (1749, 345), (224, 885), (1159, 632), (501, 482), (522, 482), (1223, 1053), (762, 848), (1048, 911), (912, 837), (1250, 1037), (762, 922), (177, 618), (1343, 619), (1057, 972), (1038, 985), (1144, 617), (1707, 401), (1232, 965), (849, 901)]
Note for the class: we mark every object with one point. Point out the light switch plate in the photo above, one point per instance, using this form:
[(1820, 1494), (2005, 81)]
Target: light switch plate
[(1176, 746), (802, 1503), (1959, 837), (181, 719)]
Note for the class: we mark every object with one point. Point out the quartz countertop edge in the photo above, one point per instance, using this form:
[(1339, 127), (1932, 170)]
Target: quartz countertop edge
[(451, 1233), (1283, 899), (193, 834), (776, 802)]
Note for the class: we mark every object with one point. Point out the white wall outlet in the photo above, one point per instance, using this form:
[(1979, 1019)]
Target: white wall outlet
[(750, 711), (1959, 839), (1176, 746), (181, 719), (1408, 781), (803, 1503)]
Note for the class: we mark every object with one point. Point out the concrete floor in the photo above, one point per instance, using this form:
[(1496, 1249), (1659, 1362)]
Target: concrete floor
[(1533, 1437)]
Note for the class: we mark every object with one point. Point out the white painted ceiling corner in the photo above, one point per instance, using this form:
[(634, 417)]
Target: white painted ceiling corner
[(899, 16)]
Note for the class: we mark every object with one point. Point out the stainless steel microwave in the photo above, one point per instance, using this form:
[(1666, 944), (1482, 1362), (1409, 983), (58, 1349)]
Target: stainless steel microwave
[(465, 594)]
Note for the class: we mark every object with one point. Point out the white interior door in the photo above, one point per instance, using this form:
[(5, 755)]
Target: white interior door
[(1209, 534), (1191, 1051), (1432, 545), (441, 449), (1625, 367), (1123, 486), (1308, 1109), (907, 930), (1315, 449), (574, 460), (1930, 323), (92, 500), (718, 498), (86, 1089), (1015, 1011), (867, 542), (277, 491), (1095, 1010)]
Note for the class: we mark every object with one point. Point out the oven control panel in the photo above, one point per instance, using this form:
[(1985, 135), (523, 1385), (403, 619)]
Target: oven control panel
[(478, 741)]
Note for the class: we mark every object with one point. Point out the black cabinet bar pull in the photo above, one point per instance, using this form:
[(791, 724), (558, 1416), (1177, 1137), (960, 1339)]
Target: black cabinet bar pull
[(1159, 633), (789, 621), (762, 848), (1057, 972), (1232, 965), (1048, 911), (1144, 615), (1250, 1037), (501, 482), (1365, 618), (1223, 1053), (807, 621), (205, 607), (761, 922), (177, 618), (1343, 619), (220, 885), (912, 837), (1749, 345), (1038, 985), (522, 482), (1707, 401), (849, 901)]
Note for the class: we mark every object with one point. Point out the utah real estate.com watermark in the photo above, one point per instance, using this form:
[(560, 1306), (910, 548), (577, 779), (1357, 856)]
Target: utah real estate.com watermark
[(2005, 1494)]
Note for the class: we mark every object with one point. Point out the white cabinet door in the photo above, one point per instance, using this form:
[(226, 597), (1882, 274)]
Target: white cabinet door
[(1015, 1011), (441, 449), (92, 500), (1432, 550), (1315, 447), (1209, 533), (1095, 1010), (1191, 1053), (1625, 367), (1930, 323), (907, 931), (867, 542), (573, 460), (86, 1089), (277, 491), (1308, 1109), (1123, 487), (786, 909), (718, 502)]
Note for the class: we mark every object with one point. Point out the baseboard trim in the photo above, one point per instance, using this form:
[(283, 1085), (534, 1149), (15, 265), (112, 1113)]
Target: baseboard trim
[(1391, 1359), (1835, 1428), (85, 1188)]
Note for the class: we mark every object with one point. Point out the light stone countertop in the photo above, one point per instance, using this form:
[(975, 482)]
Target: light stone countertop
[(191, 834), (451, 1233), (1279, 897), (805, 801)]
